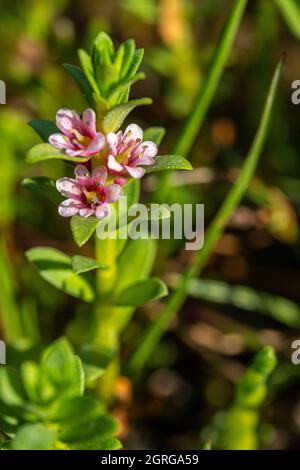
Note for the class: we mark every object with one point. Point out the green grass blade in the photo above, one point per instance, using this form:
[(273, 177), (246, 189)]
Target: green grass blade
[(207, 93), (281, 309), (291, 13), (214, 232), (9, 314)]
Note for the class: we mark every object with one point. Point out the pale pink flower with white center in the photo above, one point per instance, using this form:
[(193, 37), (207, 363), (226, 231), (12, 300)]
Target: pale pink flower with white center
[(87, 194), (128, 153), (79, 135)]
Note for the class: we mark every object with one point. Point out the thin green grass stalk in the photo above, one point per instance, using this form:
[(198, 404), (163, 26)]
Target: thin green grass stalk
[(11, 320), (207, 92), (214, 232), (291, 13)]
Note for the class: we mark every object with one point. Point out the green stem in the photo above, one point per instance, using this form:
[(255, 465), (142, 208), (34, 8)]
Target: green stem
[(9, 312), (106, 253), (214, 232), (105, 336)]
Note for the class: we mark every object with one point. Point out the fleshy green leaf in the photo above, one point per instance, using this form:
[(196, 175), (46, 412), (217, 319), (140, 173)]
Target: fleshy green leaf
[(11, 389), (78, 410), (82, 264), (94, 357), (96, 443), (239, 430), (97, 429), (155, 212), (56, 268), (169, 162), (82, 82), (92, 373), (83, 228), (129, 49), (102, 61), (63, 368), (87, 66), (155, 134), (132, 191), (135, 263), (30, 372), (44, 187), (136, 62), (142, 292), (44, 128), (119, 93), (34, 437), (42, 152), (114, 119)]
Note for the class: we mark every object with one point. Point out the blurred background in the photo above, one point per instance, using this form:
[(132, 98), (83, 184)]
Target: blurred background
[(249, 293)]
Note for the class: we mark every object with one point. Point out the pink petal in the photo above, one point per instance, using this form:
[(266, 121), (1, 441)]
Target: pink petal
[(146, 161), (113, 165), (113, 192), (102, 211), (136, 172), (59, 141), (112, 140), (68, 208), (149, 149), (69, 188), (120, 181), (96, 145), (86, 212), (81, 174), (67, 120), (77, 153), (135, 132), (99, 175), (89, 122)]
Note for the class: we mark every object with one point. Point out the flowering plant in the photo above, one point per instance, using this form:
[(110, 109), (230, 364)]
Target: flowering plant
[(107, 163), (59, 399)]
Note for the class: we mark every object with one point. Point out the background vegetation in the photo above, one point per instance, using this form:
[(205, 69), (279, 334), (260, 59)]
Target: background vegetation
[(248, 295)]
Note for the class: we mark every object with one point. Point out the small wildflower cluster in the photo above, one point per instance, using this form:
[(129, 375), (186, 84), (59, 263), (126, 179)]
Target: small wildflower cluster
[(106, 157), (121, 156), (108, 162)]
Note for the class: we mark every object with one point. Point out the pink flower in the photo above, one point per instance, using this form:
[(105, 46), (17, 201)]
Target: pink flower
[(127, 152), (87, 194), (79, 136)]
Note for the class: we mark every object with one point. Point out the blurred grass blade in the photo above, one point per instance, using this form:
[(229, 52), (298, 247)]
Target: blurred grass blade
[(214, 232), (291, 12), (207, 93), (279, 308), (30, 320), (10, 316)]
